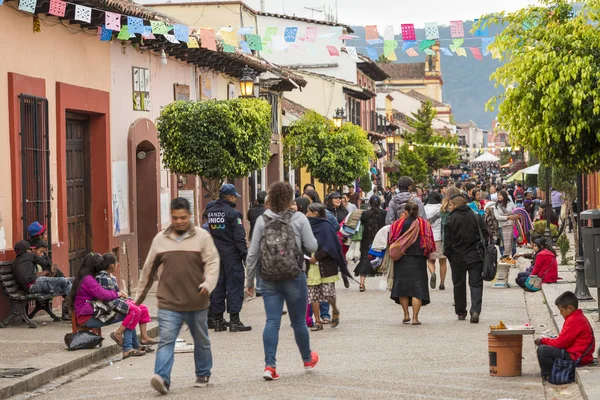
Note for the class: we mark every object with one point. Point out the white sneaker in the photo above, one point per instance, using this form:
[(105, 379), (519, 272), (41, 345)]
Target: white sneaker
[(159, 384)]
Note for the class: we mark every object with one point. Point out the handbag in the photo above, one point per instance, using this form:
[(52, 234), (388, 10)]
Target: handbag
[(563, 371), (490, 255), (534, 282)]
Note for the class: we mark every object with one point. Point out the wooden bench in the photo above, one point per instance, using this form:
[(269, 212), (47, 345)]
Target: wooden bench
[(20, 300)]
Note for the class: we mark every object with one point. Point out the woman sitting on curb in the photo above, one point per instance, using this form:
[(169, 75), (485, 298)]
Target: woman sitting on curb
[(544, 264)]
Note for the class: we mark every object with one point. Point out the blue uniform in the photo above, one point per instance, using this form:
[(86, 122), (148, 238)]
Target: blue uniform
[(226, 228)]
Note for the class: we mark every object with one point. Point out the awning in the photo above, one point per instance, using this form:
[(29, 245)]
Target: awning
[(486, 157), (360, 95)]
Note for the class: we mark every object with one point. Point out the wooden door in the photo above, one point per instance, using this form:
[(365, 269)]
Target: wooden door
[(78, 198)]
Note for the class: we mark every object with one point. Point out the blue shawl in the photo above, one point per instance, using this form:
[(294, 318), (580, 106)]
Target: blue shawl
[(327, 239)]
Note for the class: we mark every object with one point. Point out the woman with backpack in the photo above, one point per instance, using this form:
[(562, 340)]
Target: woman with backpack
[(324, 265), (411, 242), (280, 238)]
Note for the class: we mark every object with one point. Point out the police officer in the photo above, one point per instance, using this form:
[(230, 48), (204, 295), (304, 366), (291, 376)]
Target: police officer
[(225, 226)]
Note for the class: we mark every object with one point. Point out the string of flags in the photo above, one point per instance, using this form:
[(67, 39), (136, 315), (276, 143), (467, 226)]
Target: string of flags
[(275, 39), (463, 148)]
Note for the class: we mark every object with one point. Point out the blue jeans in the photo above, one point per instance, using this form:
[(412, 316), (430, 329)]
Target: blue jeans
[(170, 323), (130, 339), (93, 323), (47, 285), (295, 294), (324, 310)]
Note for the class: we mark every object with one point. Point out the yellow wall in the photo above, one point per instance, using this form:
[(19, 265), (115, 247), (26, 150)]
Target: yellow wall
[(56, 56), (209, 16)]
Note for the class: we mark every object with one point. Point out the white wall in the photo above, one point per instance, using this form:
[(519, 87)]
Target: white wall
[(321, 95)]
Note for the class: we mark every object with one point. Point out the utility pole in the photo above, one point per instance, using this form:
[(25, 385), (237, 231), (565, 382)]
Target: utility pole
[(262, 5)]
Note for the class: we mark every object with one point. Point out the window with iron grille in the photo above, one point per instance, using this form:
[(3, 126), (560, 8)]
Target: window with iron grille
[(35, 158)]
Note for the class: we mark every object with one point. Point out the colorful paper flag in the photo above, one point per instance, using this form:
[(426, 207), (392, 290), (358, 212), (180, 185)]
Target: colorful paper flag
[(456, 43), (192, 43), (181, 32), (271, 31), (112, 21), (311, 34), (227, 48), (147, 34), (408, 32), (485, 42), (171, 38), (347, 37), (82, 13), (57, 7), (461, 52), (446, 51), (27, 5), (389, 46), (412, 52), (124, 33), (352, 52), (432, 31), (159, 27), (392, 56), (226, 29), (429, 52), (457, 29), (135, 25), (372, 53), (371, 32), (254, 42), (476, 51), (104, 34), (207, 39), (408, 44), (244, 46), (290, 34), (373, 42), (229, 38), (245, 31), (389, 33), (425, 44), (333, 51), (483, 30)]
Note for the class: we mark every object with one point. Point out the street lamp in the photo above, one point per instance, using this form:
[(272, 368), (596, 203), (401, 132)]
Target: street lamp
[(339, 117), (411, 147), (247, 82)]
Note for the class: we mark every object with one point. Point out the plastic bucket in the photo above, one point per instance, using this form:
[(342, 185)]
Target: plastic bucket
[(502, 274), (505, 354)]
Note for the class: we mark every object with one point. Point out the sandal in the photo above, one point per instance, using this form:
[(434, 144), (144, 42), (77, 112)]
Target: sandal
[(114, 337), (406, 321), (146, 349), (317, 327), (416, 323), (335, 321), (325, 321), (133, 353), (150, 342), (362, 288)]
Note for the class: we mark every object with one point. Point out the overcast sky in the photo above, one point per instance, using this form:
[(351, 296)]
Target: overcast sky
[(388, 12)]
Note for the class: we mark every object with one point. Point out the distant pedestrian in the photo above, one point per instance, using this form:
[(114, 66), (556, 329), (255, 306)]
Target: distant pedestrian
[(257, 210), (506, 220), (189, 264), (413, 238), (346, 203), (433, 208), (398, 202), (372, 221), (280, 238), (353, 196), (462, 247)]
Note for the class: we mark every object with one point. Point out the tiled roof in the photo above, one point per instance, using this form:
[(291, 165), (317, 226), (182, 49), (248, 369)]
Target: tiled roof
[(404, 71), (423, 98), (291, 107)]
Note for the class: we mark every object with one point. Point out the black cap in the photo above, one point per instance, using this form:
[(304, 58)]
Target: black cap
[(36, 243), (21, 247)]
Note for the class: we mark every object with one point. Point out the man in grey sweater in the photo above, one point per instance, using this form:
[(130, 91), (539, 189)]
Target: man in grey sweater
[(398, 202)]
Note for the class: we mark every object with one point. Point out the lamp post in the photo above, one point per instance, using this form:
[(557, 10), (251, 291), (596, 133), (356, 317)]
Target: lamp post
[(339, 117), (247, 82), (582, 292), (411, 147), (548, 232)]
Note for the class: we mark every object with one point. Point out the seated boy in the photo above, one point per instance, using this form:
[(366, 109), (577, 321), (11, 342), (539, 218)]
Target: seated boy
[(574, 340)]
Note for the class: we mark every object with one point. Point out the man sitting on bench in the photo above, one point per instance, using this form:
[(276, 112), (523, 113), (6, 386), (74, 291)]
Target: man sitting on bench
[(24, 268)]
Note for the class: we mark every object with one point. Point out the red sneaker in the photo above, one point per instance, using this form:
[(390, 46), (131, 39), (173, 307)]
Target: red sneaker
[(270, 374), (312, 364)]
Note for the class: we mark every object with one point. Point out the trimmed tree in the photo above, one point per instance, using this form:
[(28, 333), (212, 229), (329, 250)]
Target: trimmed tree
[(335, 157), (551, 71), (215, 139), (410, 163)]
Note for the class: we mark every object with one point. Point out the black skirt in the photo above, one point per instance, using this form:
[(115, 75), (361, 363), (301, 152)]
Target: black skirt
[(364, 266), (410, 279)]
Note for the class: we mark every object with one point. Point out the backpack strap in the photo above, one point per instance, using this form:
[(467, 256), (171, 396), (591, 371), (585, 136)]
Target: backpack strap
[(589, 348)]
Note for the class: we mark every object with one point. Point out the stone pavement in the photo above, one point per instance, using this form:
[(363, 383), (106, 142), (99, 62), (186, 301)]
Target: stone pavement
[(43, 348), (371, 355)]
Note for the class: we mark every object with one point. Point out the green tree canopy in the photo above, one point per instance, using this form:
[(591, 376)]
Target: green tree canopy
[(215, 139), (410, 163), (551, 71), (434, 157), (335, 157)]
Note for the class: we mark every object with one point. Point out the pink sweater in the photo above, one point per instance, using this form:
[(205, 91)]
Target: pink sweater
[(90, 290)]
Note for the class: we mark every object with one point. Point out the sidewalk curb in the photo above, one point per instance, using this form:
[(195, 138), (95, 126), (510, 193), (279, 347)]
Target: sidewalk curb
[(43, 376), (577, 377)]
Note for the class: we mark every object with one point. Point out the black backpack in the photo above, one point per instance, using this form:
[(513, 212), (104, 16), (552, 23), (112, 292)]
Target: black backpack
[(280, 258)]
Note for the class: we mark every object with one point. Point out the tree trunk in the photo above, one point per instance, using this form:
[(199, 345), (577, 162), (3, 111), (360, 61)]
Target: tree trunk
[(212, 186), (571, 217)]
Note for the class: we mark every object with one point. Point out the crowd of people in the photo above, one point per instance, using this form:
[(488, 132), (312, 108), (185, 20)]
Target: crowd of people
[(299, 248)]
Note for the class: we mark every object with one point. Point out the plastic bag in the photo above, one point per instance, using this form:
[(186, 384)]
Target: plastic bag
[(82, 340)]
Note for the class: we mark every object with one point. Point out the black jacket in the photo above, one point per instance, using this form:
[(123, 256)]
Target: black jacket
[(253, 214), (24, 268), (340, 213), (227, 230), (461, 235)]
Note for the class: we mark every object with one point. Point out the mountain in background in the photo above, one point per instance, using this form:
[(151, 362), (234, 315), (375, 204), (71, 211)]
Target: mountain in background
[(467, 86)]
